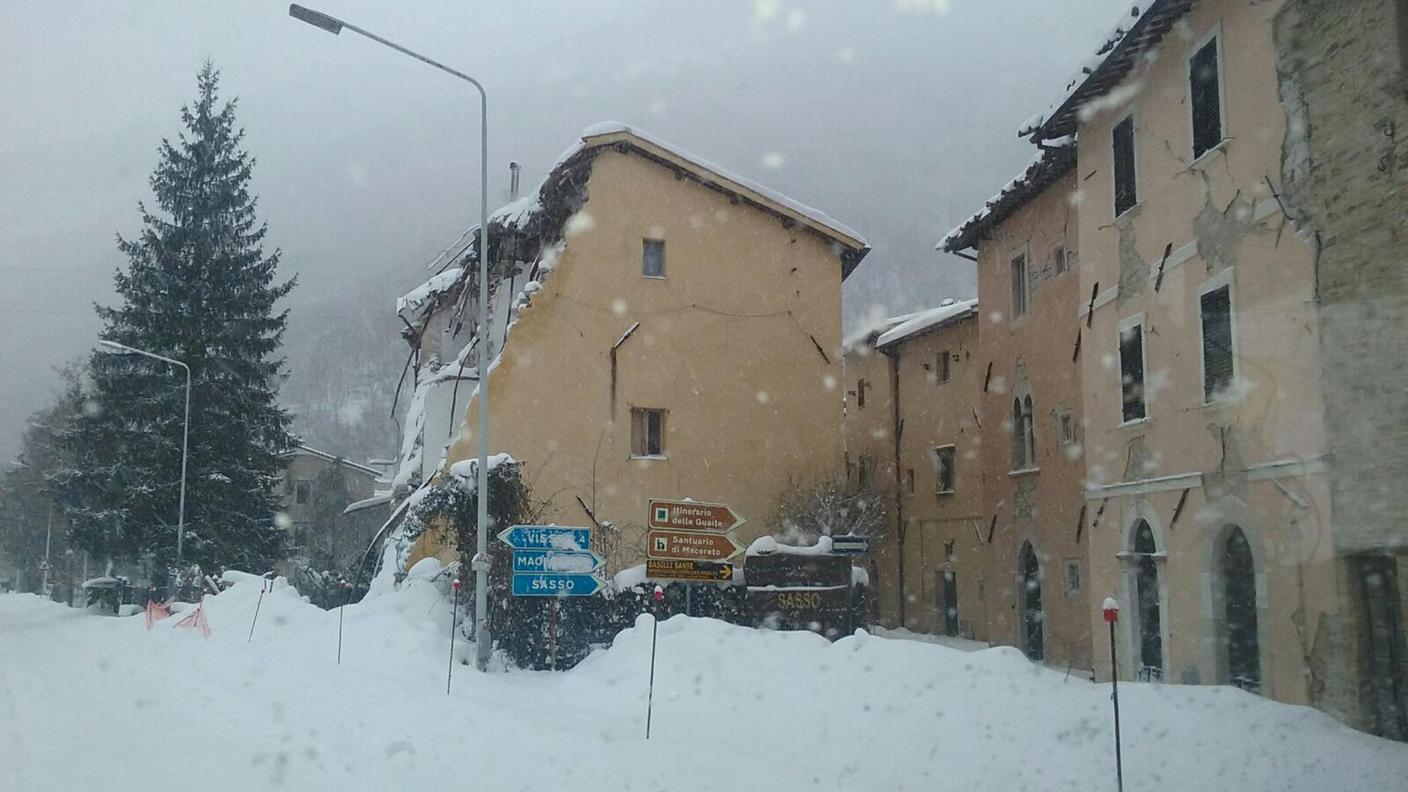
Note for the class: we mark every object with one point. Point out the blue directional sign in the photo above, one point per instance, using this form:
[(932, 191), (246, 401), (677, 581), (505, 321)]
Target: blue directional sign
[(546, 537), (849, 544), (556, 561), (555, 585)]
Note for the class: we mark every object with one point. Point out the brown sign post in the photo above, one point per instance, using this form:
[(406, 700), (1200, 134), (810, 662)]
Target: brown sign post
[(686, 515)]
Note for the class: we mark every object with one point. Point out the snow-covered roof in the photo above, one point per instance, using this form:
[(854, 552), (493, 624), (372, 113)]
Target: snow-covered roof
[(609, 132), (314, 452), (947, 312), (1133, 35), (1048, 166), (368, 503)]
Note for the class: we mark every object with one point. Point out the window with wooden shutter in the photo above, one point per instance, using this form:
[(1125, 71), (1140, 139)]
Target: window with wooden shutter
[(1122, 145), (1205, 98), (647, 432), (1218, 364), (1132, 403)]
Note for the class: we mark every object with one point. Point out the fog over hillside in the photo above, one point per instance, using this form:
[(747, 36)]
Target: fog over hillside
[(897, 118)]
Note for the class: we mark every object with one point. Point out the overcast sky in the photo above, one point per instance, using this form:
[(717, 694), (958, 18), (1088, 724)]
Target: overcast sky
[(895, 117)]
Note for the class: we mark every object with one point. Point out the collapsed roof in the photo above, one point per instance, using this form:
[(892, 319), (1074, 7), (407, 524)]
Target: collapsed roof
[(540, 216)]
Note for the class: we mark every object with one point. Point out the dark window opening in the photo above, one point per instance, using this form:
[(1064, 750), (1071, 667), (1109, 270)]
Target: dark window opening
[(1126, 191), (944, 468), (944, 371), (647, 432), (1240, 643), (861, 385), (302, 492), (1133, 407), (653, 259), (1058, 259), (867, 466), (1033, 617), (1385, 654), (1218, 365), (1205, 98), (1146, 582)]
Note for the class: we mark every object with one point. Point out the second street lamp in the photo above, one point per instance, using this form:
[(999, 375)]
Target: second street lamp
[(480, 563), (112, 347)]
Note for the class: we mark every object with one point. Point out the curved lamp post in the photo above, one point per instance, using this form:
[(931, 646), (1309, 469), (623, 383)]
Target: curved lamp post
[(112, 347), (480, 563)]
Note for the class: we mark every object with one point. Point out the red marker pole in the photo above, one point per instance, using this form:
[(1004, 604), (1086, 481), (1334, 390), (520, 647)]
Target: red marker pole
[(1112, 615), (454, 611), (656, 599)]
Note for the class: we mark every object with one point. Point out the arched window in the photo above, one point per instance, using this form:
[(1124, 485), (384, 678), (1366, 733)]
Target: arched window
[(1239, 643), (1029, 424), (1033, 617), (1019, 434), (1146, 597)]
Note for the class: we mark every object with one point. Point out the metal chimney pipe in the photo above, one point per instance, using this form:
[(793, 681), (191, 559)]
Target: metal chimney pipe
[(513, 169)]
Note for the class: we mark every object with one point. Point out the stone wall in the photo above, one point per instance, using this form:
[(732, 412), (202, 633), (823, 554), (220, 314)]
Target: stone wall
[(1343, 77)]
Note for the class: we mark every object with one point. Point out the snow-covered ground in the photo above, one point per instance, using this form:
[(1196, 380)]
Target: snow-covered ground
[(91, 702)]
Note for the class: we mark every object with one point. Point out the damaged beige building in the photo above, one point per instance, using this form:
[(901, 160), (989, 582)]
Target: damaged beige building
[(1243, 321), (660, 329)]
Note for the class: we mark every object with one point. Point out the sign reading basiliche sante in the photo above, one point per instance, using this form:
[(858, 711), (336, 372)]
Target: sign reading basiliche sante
[(691, 540)]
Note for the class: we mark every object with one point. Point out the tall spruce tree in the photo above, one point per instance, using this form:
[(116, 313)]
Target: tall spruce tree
[(197, 288)]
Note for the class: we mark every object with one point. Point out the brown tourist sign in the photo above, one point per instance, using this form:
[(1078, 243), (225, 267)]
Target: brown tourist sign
[(689, 515), (695, 571), (690, 546)]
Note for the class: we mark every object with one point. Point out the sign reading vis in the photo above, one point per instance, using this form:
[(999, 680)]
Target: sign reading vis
[(693, 516)]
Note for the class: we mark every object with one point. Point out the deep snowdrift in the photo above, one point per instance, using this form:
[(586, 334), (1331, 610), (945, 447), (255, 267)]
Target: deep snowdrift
[(97, 702)]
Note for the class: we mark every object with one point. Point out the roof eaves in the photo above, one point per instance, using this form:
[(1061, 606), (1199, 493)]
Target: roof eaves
[(1118, 56), (1047, 169)]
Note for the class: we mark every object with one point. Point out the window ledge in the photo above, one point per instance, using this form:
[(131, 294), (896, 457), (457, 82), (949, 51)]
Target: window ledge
[(649, 457), (943, 492), (653, 277), (1128, 215), (1204, 159), (1135, 422), (1024, 471)]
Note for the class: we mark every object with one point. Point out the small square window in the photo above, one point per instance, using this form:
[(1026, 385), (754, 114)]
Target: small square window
[(647, 432), (944, 470), (653, 258)]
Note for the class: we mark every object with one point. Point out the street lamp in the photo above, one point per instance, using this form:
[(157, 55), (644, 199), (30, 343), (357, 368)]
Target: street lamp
[(480, 562), (112, 347)]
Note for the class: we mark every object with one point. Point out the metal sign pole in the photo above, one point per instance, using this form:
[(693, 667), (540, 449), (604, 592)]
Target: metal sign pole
[(454, 611), (1112, 615), (656, 599)]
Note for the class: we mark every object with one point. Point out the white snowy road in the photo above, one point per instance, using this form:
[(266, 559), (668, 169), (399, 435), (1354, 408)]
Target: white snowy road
[(94, 702)]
